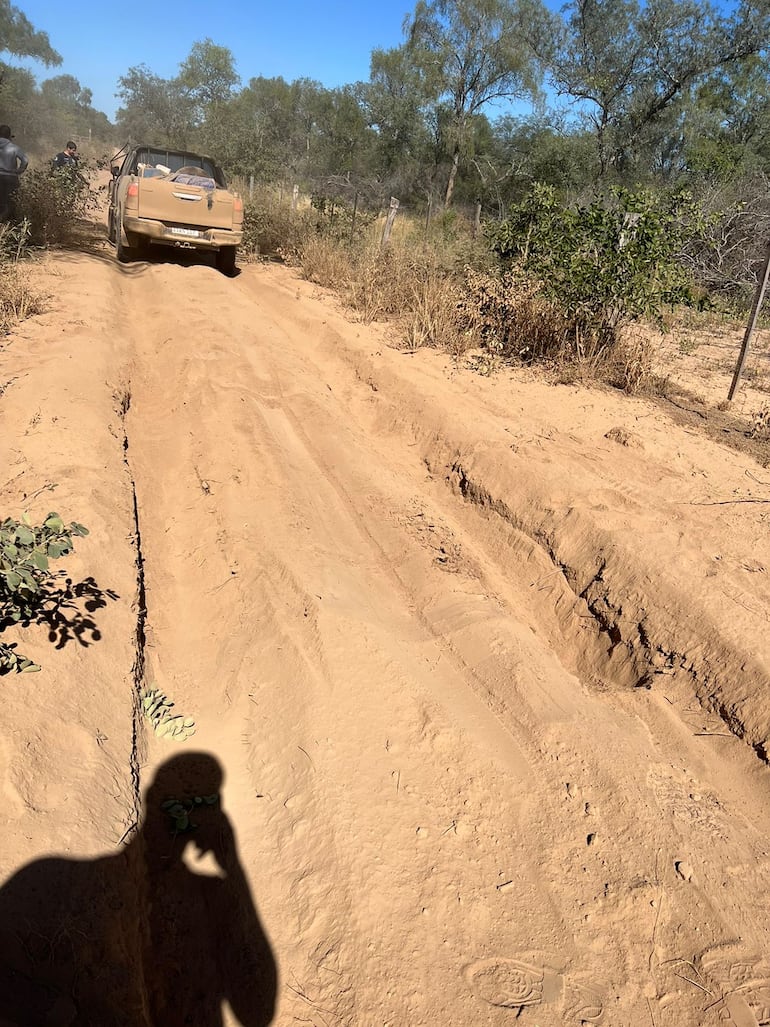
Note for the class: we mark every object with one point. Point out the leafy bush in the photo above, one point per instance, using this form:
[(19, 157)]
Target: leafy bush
[(53, 201), (25, 554), (602, 265)]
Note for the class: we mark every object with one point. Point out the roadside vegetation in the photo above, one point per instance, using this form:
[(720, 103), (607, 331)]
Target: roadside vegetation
[(28, 591), (636, 184)]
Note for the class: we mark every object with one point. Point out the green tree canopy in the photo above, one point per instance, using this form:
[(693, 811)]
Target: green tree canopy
[(208, 76), (470, 53), (19, 37), (628, 65)]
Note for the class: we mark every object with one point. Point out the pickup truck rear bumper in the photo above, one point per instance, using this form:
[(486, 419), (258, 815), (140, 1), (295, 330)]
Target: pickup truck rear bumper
[(158, 232)]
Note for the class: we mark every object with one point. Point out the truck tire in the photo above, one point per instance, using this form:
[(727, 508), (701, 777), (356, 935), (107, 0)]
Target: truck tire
[(226, 260), (124, 253), (133, 249)]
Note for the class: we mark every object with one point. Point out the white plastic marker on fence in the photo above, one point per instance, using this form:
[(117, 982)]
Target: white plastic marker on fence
[(759, 295)]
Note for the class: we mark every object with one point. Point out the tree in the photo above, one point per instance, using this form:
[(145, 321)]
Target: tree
[(19, 37), (628, 65), (154, 108), (470, 53), (208, 77), (394, 100)]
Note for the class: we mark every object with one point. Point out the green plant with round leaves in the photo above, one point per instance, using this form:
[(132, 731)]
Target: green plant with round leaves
[(26, 552), (604, 264), (157, 708), (180, 809)]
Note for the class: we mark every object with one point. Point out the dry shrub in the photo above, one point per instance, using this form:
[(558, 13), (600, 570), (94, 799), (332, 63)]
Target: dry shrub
[(629, 364), (271, 227), (760, 424), (434, 316), (17, 299), (367, 288), (413, 287), (512, 319), (325, 262), (383, 281)]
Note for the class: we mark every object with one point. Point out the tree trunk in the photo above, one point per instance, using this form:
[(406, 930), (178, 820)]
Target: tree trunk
[(450, 186)]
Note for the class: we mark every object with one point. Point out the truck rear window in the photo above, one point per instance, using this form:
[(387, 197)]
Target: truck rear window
[(177, 161)]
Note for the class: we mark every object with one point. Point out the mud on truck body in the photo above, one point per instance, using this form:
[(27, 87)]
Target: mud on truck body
[(173, 198)]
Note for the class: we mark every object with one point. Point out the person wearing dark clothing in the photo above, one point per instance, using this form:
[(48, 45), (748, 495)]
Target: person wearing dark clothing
[(68, 158), (13, 163)]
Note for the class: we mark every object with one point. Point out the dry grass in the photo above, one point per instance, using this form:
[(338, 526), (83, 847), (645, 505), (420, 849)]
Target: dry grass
[(409, 282), (441, 294), (325, 262), (18, 299)]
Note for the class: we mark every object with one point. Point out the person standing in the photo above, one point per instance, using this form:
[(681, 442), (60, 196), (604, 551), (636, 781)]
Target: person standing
[(68, 158), (13, 163)]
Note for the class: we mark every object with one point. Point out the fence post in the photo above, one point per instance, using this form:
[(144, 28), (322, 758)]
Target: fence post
[(251, 187), (753, 317), (294, 197), (389, 222), (477, 221), (428, 215), (353, 218)]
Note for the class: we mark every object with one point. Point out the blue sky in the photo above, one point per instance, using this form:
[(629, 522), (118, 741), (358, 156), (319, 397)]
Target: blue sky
[(330, 42)]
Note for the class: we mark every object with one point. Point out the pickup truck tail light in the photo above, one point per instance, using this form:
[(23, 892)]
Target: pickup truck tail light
[(132, 195)]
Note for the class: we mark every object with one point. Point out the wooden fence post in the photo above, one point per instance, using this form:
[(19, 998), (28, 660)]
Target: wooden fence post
[(389, 222), (753, 317), (251, 187), (294, 197), (477, 221), (353, 218)]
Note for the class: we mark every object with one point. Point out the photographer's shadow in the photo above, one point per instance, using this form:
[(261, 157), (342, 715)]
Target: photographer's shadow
[(138, 939)]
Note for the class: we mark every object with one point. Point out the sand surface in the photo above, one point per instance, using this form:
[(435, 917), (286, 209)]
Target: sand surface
[(485, 664)]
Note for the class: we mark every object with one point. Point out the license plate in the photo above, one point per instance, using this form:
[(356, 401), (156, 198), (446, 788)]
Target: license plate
[(191, 233)]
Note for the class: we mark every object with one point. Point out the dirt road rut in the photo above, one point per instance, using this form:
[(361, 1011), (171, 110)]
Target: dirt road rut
[(488, 687)]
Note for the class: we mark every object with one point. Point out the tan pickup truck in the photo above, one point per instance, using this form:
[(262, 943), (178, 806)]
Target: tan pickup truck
[(172, 198)]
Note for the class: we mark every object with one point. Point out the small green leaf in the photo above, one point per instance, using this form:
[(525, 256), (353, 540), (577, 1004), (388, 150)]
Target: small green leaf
[(13, 580), (54, 522), (40, 560)]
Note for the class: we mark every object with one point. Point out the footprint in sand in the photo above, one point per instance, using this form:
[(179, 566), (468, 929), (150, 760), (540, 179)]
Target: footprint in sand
[(743, 982), (520, 984)]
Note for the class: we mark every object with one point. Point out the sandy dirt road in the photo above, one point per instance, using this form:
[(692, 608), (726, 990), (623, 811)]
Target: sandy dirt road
[(484, 663)]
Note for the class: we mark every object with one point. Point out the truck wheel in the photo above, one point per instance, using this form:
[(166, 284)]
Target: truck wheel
[(122, 252), (226, 260)]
